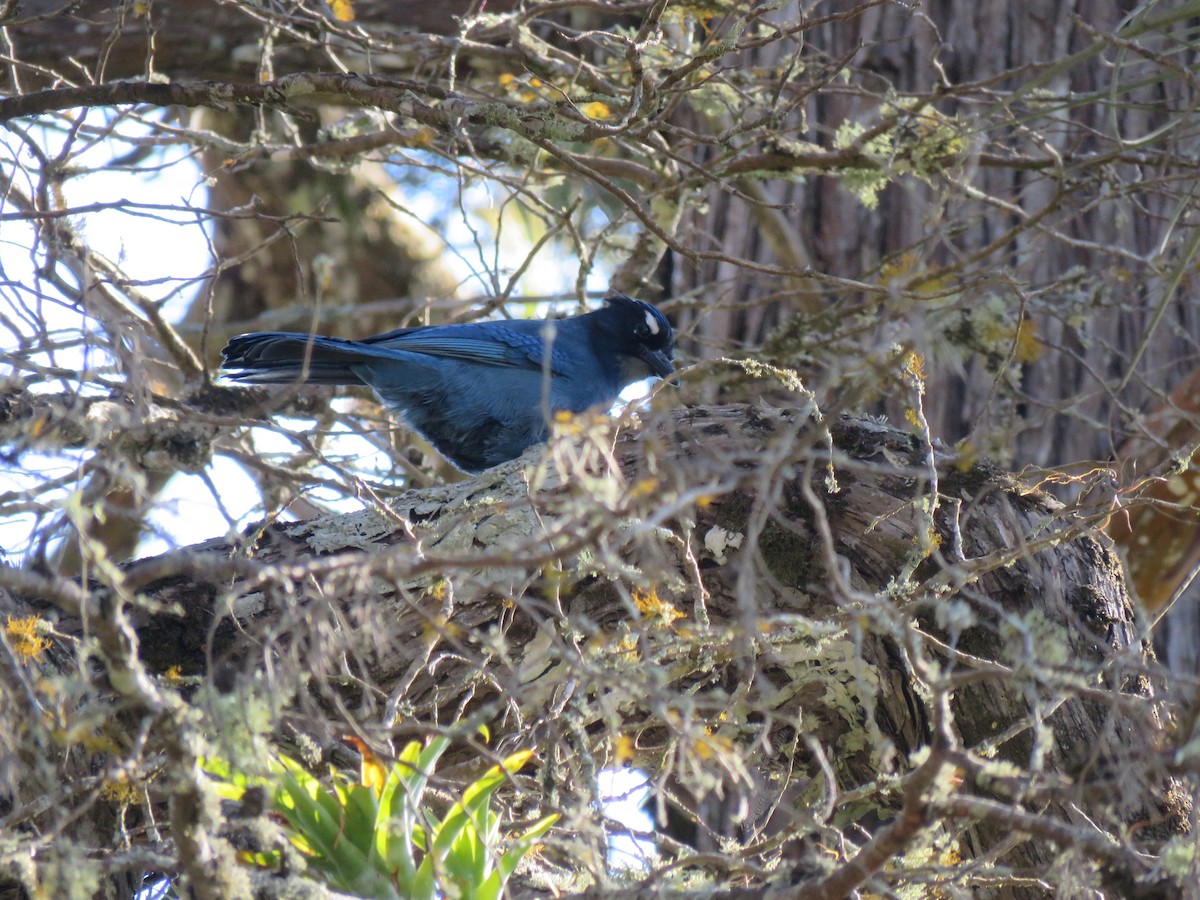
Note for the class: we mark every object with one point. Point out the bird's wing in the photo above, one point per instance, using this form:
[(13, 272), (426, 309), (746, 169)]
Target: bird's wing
[(486, 343)]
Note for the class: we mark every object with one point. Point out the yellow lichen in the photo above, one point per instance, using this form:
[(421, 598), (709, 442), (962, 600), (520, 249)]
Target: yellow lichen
[(25, 637), (653, 607), (595, 110)]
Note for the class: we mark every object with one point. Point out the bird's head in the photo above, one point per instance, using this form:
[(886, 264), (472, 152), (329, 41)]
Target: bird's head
[(640, 335)]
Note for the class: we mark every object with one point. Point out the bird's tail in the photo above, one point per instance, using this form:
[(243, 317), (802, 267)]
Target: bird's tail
[(280, 357)]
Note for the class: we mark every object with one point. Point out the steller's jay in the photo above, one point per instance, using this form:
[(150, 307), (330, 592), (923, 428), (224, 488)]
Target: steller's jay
[(479, 392)]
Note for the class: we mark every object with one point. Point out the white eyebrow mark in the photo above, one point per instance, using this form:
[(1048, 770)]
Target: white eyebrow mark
[(651, 322)]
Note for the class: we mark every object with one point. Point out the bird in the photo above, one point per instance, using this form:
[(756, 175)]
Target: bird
[(480, 392)]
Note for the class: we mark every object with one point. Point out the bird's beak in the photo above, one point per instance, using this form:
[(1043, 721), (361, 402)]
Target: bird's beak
[(656, 361)]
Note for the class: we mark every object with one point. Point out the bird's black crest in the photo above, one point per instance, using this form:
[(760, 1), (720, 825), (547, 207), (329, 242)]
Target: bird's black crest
[(645, 323)]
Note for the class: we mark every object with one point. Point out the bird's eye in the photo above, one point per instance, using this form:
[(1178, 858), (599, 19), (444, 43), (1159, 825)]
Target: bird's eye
[(641, 332)]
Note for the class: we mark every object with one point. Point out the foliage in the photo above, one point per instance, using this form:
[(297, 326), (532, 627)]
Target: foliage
[(379, 839)]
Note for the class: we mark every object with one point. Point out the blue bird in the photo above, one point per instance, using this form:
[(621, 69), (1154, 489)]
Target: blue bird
[(480, 392)]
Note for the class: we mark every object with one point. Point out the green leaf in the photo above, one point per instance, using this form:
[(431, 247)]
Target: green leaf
[(317, 816), (466, 839), (475, 799), (538, 828), (467, 858), (448, 831), (228, 791), (268, 859), (491, 888), (393, 844), (397, 829), (518, 847), (508, 861), (360, 819), (425, 885), (415, 766), (229, 785)]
